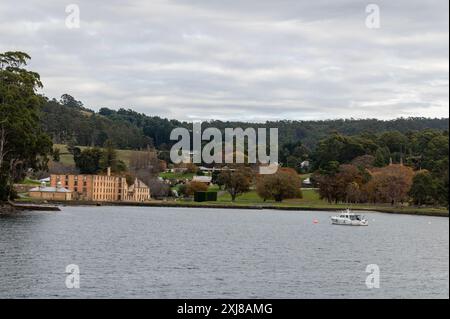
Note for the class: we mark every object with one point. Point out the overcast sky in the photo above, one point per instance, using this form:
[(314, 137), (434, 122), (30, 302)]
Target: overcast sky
[(250, 60)]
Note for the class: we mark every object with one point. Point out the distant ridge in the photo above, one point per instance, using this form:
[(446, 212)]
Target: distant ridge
[(132, 130)]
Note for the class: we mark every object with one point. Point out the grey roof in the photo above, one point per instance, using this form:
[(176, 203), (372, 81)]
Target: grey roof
[(137, 184), (50, 189)]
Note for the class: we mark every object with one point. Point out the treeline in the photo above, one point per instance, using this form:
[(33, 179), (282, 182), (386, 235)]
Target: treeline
[(391, 167), (67, 120)]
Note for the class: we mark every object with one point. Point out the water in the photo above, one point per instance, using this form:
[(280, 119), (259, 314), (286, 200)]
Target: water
[(130, 252)]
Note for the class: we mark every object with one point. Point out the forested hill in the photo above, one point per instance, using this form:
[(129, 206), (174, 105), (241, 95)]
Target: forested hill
[(68, 121)]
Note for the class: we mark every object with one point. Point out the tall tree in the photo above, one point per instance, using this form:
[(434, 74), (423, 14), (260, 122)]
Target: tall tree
[(109, 157), (390, 184), (23, 144), (283, 184), (88, 160), (423, 189), (237, 182)]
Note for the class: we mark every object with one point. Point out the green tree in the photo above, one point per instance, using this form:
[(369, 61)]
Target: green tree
[(23, 144), (69, 100), (88, 161), (382, 155), (338, 148), (109, 157), (237, 182), (56, 155), (283, 184), (396, 142), (442, 189), (423, 189)]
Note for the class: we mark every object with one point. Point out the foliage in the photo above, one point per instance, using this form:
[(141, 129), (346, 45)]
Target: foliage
[(69, 119), (88, 160), (334, 187), (390, 184), (284, 184), (423, 189), (193, 187), (238, 181), (23, 144)]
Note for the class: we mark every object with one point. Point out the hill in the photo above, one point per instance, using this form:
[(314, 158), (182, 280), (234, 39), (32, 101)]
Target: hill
[(69, 121)]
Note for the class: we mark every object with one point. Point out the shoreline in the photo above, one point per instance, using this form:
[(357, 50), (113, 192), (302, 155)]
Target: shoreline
[(16, 207), (435, 212)]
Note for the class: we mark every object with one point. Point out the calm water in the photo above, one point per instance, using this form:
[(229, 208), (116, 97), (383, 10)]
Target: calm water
[(214, 253)]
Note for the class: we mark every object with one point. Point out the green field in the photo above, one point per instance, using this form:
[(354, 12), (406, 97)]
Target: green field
[(28, 181), (67, 159), (309, 196), (170, 175)]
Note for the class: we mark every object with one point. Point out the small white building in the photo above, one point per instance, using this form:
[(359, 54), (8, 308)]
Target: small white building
[(304, 164)]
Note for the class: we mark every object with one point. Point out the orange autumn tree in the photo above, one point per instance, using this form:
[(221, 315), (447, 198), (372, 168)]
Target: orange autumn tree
[(193, 187), (284, 184), (389, 184)]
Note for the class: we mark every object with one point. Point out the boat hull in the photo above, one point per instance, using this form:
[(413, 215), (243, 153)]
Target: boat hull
[(349, 222)]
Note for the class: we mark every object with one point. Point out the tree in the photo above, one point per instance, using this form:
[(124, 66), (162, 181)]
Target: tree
[(193, 187), (88, 161), (337, 148), (334, 185), (293, 154), (390, 184), (191, 168), (423, 189), (364, 161), (158, 188), (109, 159), (353, 193), (68, 100), (56, 155), (382, 155), (217, 179), (237, 182), (23, 144), (283, 184), (146, 161), (442, 189)]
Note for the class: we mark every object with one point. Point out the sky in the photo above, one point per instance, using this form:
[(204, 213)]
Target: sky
[(252, 60)]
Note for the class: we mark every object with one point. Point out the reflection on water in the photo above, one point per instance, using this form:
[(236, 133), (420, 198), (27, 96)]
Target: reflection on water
[(212, 253)]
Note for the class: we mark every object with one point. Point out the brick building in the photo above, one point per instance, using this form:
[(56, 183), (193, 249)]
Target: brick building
[(102, 188)]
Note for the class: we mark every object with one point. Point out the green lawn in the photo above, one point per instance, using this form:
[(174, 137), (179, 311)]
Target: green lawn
[(169, 175), (28, 181), (310, 196), (67, 159)]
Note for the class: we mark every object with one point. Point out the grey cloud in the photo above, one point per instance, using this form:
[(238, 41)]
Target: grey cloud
[(246, 59)]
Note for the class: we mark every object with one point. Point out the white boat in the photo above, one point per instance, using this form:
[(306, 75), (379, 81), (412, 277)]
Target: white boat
[(350, 219)]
